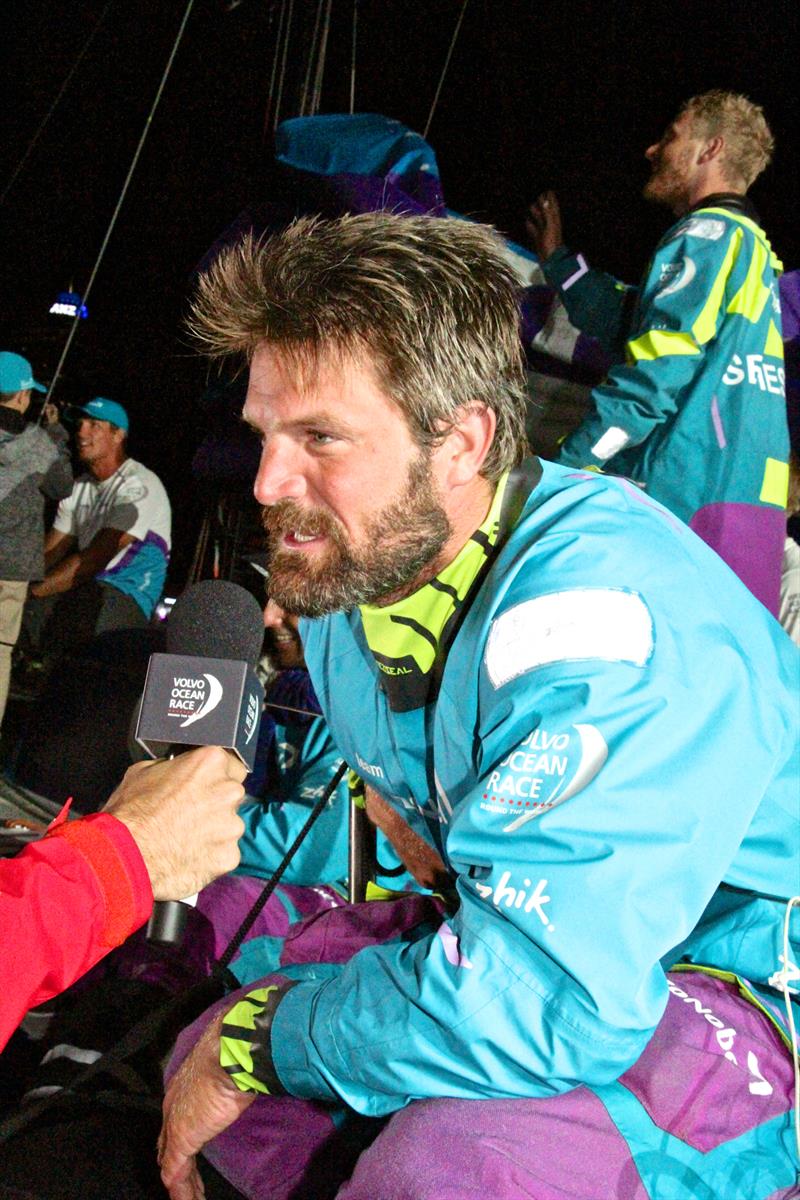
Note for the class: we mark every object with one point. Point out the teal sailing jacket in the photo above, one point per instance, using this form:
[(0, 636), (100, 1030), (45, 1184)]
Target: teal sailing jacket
[(606, 758), (695, 413)]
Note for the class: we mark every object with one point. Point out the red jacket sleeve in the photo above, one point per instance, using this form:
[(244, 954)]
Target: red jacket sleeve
[(65, 901)]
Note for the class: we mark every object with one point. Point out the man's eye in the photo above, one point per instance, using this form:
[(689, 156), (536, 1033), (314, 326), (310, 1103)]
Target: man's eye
[(317, 438)]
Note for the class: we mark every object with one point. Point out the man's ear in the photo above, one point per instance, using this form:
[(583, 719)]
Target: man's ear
[(467, 444), (711, 149)]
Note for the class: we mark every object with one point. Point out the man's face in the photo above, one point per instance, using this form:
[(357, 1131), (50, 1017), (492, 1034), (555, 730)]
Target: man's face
[(673, 163), (96, 439), (352, 504), (282, 639)]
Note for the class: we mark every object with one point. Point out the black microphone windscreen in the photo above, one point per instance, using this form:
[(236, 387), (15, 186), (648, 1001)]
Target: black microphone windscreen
[(216, 619)]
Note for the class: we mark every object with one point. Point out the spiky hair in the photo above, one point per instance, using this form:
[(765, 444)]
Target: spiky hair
[(748, 139), (431, 304)]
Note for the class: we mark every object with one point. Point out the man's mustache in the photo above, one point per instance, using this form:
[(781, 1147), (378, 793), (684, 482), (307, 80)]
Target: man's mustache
[(289, 517)]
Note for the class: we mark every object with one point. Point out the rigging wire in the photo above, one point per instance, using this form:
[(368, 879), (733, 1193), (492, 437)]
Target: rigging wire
[(353, 59), (120, 201), (32, 143), (311, 52), (283, 64), (444, 68), (323, 50), (273, 73)]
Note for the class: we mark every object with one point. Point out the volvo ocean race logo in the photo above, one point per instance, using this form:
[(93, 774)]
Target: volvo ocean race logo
[(547, 768), (675, 276), (193, 698)]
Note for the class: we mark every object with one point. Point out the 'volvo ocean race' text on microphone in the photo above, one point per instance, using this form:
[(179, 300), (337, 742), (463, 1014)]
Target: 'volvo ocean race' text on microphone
[(203, 692)]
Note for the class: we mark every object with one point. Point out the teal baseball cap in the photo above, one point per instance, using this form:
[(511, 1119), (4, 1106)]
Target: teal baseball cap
[(105, 410), (16, 374)]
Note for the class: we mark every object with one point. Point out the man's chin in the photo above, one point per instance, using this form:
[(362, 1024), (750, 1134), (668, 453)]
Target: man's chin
[(651, 192), (656, 191), (298, 589)]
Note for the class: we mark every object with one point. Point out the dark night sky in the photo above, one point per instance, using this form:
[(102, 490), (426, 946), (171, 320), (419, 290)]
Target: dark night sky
[(539, 94)]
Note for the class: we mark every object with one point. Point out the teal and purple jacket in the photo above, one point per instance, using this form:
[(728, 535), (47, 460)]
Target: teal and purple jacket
[(597, 733), (695, 411)]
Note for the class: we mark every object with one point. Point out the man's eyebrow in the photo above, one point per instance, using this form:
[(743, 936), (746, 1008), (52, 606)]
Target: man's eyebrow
[(315, 419)]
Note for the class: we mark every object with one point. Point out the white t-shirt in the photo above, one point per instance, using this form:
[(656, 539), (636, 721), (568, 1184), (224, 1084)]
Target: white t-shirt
[(132, 500)]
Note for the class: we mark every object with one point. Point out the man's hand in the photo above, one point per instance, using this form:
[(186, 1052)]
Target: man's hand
[(182, 815), (50, 413), (544, 225), (73, 569), (200, 1102)]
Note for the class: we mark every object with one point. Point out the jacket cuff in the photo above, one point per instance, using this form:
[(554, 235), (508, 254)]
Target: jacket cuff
[(294, 1060), (108, 848), (560, 266), (246, 1041)]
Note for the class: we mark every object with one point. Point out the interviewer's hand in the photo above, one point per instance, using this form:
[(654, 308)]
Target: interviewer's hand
[(182, 815), (544, 225), (200, 1102)]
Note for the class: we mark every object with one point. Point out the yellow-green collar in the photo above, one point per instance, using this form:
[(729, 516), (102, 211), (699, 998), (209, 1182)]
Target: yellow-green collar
[(405, 637)]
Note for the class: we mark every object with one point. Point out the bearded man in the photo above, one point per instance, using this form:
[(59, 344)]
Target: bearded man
[(576, 705), (695, 410)]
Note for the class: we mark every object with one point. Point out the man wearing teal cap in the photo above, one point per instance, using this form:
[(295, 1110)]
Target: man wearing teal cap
[(34, 463), (16, 375), (107, 552)]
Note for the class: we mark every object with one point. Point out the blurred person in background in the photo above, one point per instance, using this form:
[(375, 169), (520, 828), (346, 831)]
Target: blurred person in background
[(695, 411), (107, 553), (34, 465)]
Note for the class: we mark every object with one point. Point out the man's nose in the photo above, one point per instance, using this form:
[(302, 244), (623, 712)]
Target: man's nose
[(650, 152), (273, 615), (279, 476)]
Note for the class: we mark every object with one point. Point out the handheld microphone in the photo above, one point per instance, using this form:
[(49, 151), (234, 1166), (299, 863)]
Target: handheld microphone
[(203, 692)]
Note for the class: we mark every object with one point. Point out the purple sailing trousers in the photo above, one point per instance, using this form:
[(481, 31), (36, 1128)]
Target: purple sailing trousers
[(690, 1120)]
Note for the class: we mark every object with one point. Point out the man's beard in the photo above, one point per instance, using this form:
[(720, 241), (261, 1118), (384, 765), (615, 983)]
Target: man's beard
[(667, 185), (399, 543)]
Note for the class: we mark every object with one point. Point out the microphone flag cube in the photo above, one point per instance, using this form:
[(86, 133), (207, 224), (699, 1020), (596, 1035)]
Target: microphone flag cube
[(192, 701)]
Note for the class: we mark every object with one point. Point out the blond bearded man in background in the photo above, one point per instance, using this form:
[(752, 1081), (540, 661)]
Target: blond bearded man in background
[(694, 410)]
